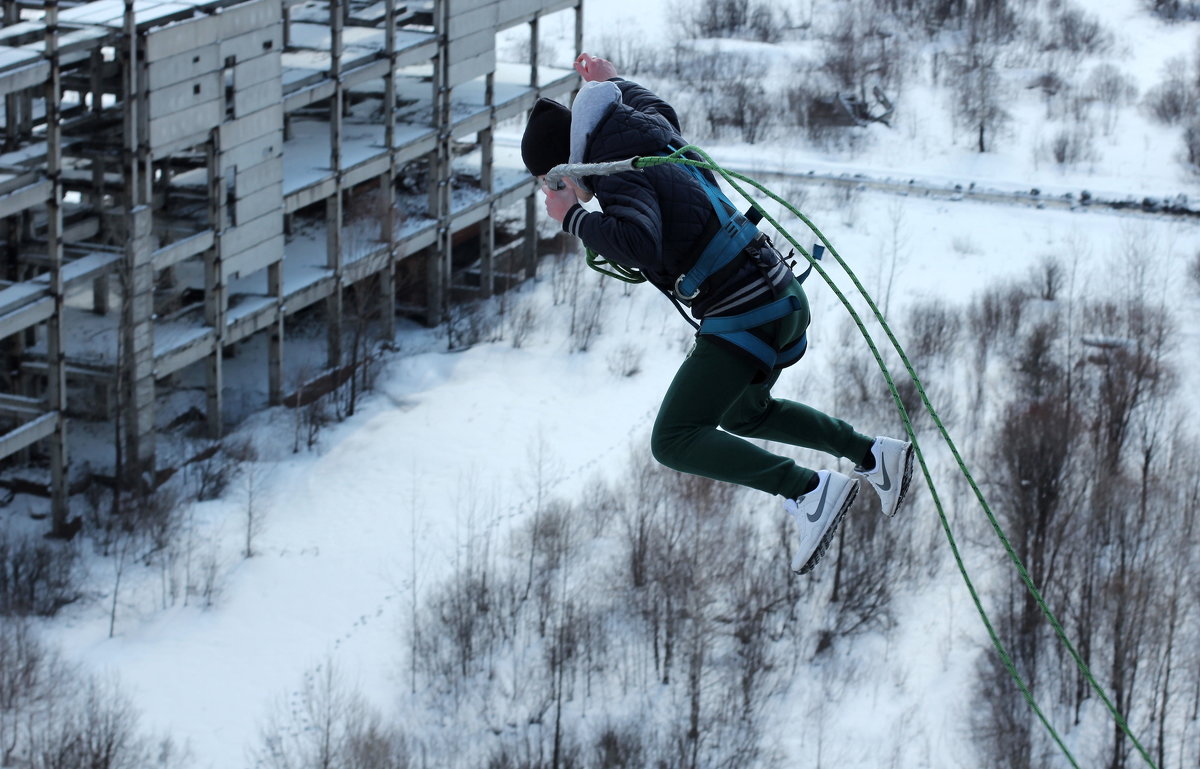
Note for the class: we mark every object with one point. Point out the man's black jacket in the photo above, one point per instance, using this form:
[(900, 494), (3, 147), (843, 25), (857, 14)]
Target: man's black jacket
[(658, 219)]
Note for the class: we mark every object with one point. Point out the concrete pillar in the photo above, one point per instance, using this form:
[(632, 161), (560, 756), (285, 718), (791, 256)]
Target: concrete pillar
[(137, 321), (56, 393), (439, 174), (275, 342), (216, 298), (334, 303), (387, 183), (334, 214), (487, 227), (138, 331)]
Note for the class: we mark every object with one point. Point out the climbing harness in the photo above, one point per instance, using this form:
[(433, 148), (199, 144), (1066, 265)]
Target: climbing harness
[(732, 178), (736, 237), (736, 328)]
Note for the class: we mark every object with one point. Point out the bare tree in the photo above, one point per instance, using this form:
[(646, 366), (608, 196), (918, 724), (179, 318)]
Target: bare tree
[(32, 677), (329, 724), (1175, 98), (251, 484), (95, 728), (979, 94), (1112, 89)]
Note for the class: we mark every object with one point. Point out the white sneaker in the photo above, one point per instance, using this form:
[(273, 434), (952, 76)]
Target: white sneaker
[(892, 472), (818, 514)]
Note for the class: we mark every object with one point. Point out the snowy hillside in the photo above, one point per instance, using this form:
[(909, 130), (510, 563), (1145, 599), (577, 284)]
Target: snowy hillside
[(459, 468)]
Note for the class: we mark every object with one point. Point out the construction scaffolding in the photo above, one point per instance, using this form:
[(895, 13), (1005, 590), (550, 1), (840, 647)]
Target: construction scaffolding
[(165, 164)]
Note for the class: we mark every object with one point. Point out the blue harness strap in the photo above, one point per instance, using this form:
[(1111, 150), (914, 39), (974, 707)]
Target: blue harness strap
[(734, 233), (735, 329)]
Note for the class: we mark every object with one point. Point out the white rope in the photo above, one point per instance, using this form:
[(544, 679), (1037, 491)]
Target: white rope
[(555, 175)]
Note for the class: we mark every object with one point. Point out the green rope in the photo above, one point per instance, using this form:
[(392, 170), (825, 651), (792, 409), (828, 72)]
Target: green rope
[(732, 179), (612, 269)]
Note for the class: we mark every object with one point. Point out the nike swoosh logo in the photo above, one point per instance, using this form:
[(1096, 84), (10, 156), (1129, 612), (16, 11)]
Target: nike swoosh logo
[(887, 481), (815, 515)]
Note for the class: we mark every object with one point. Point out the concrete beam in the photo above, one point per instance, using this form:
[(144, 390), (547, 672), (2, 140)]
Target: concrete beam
[(28, 434)]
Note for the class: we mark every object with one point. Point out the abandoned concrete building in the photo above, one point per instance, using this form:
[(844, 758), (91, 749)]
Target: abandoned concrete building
[(182, 177)]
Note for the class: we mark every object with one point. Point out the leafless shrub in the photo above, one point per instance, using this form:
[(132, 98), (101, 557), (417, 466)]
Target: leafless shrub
[(634, 54), (1077, 31), (1112, 89), (1174, 99), (1048, 278), (251, 485), (1070, 146), (210, 476), (470, 323), (328, 724), (54, 716), (1191, 147), (1037, 361), (871, 559), (587, 303), (910, 398), (310, 419), (861, 388), (1001, 727), (759, 20), (625, 361), (522, 321), (1175, 10), (996, 314), (979, 96), (98, 727), (620, 748), (206, 581), (862, 51), (1193, 272), (32, 676), (933, 328), (731, 93), (37, 578), (1108, 84)]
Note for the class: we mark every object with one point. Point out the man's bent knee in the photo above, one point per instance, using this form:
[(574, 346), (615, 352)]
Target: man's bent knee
[(666, 445)]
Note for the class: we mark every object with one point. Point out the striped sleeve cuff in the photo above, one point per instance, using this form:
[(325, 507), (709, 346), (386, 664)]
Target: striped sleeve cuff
[(572, 220)]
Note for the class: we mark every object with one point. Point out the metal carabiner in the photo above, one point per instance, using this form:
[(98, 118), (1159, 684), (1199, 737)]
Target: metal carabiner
[(679, 292)]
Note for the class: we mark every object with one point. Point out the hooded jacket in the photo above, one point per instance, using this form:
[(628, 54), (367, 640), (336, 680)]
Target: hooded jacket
[(656, 220)]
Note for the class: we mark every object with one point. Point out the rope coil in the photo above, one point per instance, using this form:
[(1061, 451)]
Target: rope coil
[(732, 178)]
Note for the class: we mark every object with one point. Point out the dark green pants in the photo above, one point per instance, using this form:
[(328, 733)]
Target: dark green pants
[(714, 399)]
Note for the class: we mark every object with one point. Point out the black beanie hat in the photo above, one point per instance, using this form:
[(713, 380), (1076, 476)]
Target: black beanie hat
[(547, 139)]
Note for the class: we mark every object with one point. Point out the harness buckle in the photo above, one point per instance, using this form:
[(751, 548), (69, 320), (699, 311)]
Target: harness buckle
[(679, 291)]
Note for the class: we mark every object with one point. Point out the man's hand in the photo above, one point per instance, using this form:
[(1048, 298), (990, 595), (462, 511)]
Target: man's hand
[(558, 202), (594, 69)]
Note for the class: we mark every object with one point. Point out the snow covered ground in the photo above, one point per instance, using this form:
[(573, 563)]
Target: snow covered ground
[(445, 452)]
